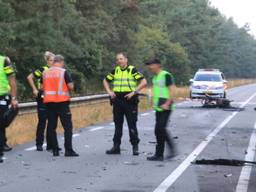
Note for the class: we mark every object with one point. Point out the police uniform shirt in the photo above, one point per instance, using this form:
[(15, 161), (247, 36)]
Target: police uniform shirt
[(8, 68), (136, 74), (169, 80)]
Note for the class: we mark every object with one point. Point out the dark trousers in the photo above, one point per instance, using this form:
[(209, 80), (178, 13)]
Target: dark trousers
[(129, 109), (62, 111), (3, 109), (42, 123), (161, 132)]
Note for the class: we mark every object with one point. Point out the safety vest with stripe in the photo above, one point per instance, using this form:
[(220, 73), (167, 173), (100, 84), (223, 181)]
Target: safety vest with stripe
[(124, 81), (54, 86), (4, 83), (160, 90), (39, 75)]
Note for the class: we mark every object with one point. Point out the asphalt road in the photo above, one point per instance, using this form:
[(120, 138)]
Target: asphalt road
[(199, 134)]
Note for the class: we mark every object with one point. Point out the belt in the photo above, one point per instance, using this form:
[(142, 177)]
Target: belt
[(5, 97)]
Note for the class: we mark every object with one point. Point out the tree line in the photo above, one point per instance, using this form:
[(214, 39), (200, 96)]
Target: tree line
[(184, 34)]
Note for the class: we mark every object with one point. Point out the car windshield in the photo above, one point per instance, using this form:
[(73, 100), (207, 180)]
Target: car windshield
[(208, 77)]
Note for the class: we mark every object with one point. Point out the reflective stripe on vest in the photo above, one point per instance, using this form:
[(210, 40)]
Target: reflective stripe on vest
[(54, 85), (160, 90), (124, 80), (38, 81), (4, 83)]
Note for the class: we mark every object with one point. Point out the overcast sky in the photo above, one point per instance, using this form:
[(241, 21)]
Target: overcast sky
[(242, 11)]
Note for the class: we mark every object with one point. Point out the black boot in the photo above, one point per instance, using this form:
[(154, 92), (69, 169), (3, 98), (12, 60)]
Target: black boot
[(48, 148), (7, 148), (1, 158), (71, 153), (135, 150), (39, 148), (115, 150), (55, 153), (159, 154), (155, 158)]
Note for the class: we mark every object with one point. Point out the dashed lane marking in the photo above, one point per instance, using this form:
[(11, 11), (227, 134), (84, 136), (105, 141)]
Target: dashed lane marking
[(170, 180), (243, 182), (33, 148), (44, 145), (145, 114), (96, 129)]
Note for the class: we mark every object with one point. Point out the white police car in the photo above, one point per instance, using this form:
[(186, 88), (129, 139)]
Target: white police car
[(208, 82)]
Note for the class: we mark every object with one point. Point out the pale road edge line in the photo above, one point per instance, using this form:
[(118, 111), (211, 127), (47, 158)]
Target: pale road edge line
[(169, 181), (243, 182), (33, 148), (96, 129), (44, 145)]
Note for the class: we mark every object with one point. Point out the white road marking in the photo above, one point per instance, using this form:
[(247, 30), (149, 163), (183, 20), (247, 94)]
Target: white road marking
[(169, 181), (145, 114), (74, 135), (44, 145), (33, 148), (96, 129), (243, 182)]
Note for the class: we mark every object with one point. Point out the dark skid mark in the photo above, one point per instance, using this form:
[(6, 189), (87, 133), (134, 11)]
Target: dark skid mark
[(225, 162), (212, 107)]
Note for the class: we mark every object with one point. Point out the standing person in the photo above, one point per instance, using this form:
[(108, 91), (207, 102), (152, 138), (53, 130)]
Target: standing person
[(57, 84), (163, 103), (41, 108), (127, 82), (8, 95)]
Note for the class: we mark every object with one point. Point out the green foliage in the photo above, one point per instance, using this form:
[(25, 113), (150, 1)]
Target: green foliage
[(184, 34)]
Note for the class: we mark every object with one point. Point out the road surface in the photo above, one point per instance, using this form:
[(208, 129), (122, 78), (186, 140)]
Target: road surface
[(199, 134)]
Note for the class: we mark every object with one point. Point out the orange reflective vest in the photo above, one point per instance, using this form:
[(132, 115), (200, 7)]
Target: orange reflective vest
[(54, 86)]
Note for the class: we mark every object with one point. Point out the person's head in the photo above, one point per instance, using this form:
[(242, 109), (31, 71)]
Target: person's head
[(121, 60), (154, 65), (49, 57), (59, 61)]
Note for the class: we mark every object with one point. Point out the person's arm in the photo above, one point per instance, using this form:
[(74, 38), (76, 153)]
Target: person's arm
[(142, 83), (69, 81), (31, 82), (171, 87), (71, 86), (108, 89), (106, 83), (9, 71), (13, 85)]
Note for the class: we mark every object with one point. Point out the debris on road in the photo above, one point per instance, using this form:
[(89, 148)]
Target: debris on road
[(225, 162), (131, 163), (228, 175)]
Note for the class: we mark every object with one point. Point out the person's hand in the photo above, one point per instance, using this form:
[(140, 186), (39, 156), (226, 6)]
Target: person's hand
[(165, 106), (14, 103), (35, 93), (130, 95), (112, 95)]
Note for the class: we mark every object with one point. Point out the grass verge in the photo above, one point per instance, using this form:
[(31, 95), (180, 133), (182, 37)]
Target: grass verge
[(24, 128)]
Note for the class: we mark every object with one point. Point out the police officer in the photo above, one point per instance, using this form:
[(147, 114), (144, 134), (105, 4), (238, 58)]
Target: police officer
[(41, 108), (57, 84), (126, 82), (8, 91), (163, 104)]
